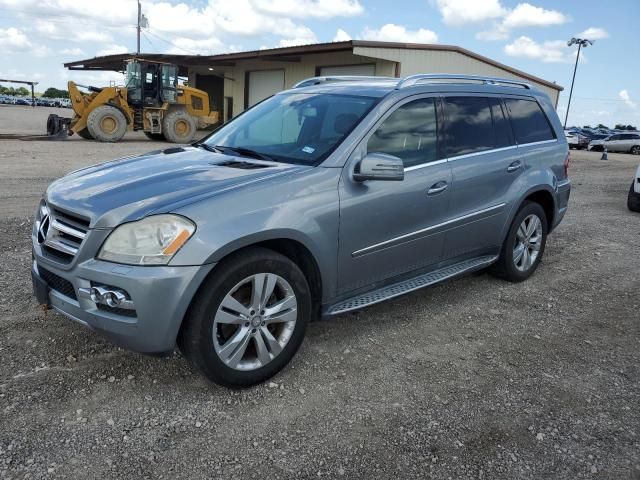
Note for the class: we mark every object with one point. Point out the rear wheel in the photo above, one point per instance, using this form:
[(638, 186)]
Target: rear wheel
[(635, 150), (248, 319), (179, 127), (107, 124), (633, 200), (84, 133), (524, 246), (155, 136)]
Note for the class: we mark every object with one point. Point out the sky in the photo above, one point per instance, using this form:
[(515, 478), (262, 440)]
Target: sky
[(38, 36)]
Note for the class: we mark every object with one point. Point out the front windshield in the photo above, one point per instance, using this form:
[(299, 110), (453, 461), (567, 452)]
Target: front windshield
[(298, 128)]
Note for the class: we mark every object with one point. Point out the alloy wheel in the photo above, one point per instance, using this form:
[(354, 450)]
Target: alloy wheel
[(528, 243), (255, 321)]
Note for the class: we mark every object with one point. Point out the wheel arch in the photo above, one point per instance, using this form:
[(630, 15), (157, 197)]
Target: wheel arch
[(540, 194)]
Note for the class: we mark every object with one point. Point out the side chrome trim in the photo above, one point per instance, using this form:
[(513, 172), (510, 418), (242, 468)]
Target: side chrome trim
[(424, 165), (542, 142), (483, 152), (376, 246)]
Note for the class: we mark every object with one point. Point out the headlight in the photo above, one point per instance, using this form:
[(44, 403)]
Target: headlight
[(150, 241)]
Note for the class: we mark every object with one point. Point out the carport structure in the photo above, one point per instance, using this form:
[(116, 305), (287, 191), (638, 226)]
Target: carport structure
[(236, 81)]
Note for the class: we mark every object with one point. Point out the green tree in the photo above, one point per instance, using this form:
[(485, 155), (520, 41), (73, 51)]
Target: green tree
[(52, 92), (602, 126)]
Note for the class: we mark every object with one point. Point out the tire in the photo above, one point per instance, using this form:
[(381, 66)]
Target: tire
[(206, 341), (84, 133), (633, 200), (635, 150), (179, 127), (107, 124), (508, 267), (154, 136)]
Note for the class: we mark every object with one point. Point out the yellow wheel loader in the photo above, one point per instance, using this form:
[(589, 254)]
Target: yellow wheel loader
[(151, 101)]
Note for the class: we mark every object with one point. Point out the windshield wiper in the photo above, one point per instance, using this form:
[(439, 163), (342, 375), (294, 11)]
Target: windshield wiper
[(210, 148), (247, 152)]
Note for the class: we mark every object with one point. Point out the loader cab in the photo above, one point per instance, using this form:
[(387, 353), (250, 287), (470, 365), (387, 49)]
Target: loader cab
[(151, 84)]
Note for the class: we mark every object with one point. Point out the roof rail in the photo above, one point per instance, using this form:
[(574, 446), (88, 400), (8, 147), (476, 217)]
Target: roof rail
[(340, 78), (436, 77)]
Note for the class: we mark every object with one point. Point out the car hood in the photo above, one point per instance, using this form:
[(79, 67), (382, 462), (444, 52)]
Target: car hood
[(157, 182)]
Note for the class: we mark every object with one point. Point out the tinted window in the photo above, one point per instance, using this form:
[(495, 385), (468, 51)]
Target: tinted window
[(501, 127), (469, 126), (529, 122), (409, 133)]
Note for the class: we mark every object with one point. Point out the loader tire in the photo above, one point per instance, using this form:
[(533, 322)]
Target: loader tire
[(154, 136), (84, 133), (107, 124), (179, 127)]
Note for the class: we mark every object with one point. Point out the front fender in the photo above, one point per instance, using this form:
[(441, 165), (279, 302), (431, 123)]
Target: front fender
[(304, 209)]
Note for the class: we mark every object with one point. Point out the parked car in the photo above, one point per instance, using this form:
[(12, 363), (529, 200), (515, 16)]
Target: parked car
[(576, 140), (633, 199), (332, 196), (619, 142)]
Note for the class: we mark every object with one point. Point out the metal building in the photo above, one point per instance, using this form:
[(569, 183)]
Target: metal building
[(236, 81)]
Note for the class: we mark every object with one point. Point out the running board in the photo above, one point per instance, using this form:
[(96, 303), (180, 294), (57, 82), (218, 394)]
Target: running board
[(415, 283)]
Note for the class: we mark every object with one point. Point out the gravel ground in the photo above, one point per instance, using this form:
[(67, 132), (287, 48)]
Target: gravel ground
[(475, 378)]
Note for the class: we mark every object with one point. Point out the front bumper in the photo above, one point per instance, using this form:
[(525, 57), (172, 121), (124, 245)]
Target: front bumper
[(160, 296)]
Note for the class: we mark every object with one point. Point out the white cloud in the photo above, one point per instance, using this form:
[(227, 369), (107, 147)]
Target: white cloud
[(624, 95), (594, 33), (527, 15), (311, 8), (72, 52), (55, 31), (461, 12), (397, 33), (206, 46), (464, 12), (305, 36), (13, 40), (341, 36), (555, 51), (112, 50)]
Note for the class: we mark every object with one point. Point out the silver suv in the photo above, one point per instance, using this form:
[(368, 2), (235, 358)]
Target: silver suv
[(332, 196)]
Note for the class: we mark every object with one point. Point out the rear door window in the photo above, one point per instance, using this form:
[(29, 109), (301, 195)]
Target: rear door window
[(529, 122), (469, 126)]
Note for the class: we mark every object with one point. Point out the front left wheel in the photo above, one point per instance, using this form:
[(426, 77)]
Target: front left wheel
[(248, 319)]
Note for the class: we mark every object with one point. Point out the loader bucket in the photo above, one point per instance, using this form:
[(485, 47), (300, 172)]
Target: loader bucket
[(58, 127)]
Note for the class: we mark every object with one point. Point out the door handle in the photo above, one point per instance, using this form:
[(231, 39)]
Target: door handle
[(437, 188), (514, 166)]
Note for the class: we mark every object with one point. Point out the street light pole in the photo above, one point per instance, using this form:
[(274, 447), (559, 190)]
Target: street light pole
[(139, 15), (582, 42)]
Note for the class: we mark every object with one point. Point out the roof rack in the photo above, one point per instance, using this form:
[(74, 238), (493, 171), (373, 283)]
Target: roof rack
[(438, 77), (340, 78)]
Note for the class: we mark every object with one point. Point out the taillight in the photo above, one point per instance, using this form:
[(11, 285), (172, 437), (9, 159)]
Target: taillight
[(566, 165)]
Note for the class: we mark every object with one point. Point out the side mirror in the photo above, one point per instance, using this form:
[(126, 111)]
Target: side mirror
[(379, 166)]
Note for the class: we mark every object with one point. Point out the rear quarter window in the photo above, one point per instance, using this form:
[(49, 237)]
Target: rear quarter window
[(529, 122)]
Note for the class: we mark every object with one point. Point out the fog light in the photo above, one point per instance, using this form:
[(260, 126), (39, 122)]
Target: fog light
[(109, 296)]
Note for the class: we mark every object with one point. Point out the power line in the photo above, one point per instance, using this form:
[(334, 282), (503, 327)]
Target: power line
[(169, 42)]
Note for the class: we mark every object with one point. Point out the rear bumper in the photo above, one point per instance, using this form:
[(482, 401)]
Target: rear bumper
[(160, 296), (563, 191)]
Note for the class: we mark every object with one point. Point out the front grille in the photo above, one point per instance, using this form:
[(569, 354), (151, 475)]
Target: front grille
[(57, 283), (60, 233)]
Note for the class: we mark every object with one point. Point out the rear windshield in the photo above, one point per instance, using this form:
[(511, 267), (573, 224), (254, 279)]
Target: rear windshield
[(298, 128)]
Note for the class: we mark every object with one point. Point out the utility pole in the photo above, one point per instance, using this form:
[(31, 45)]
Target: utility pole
[(581, 42), (138, 28)]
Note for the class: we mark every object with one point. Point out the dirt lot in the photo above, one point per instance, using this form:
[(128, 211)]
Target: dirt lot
[(476, 378)]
